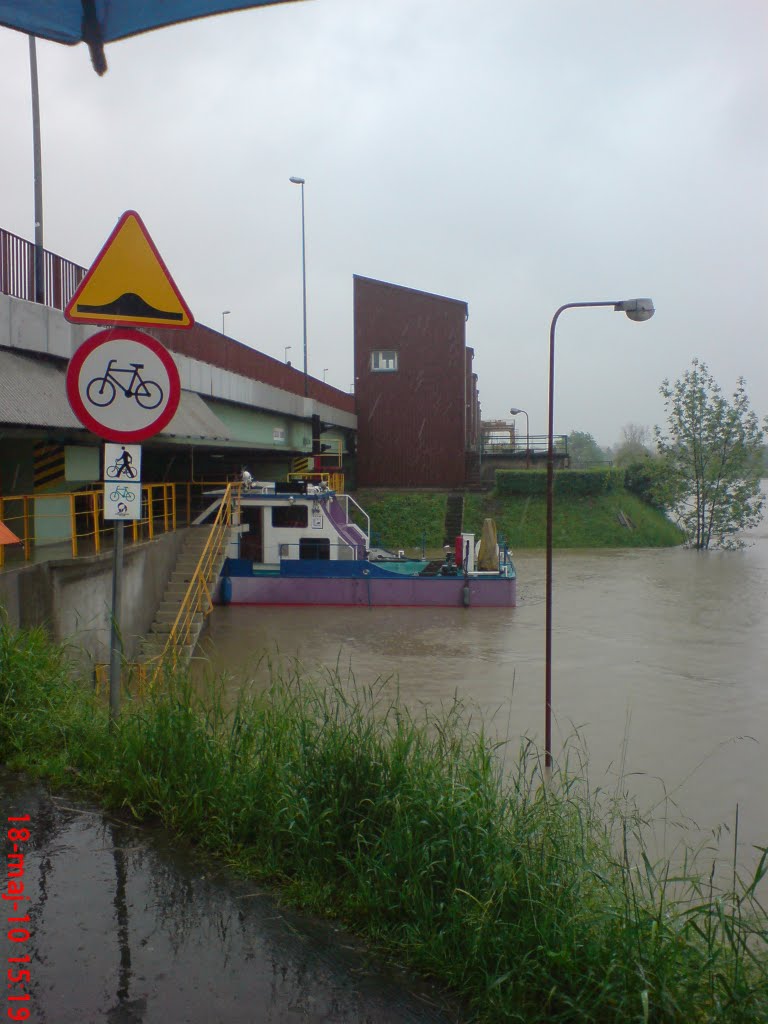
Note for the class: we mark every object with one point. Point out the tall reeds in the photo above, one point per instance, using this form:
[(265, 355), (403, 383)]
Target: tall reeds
[(532, 903)]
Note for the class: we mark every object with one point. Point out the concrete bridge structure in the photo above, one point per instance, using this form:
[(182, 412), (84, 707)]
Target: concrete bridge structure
[(239, 407)]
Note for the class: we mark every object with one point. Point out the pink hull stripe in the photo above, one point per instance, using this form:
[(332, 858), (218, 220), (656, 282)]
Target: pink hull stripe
[(435, 592)]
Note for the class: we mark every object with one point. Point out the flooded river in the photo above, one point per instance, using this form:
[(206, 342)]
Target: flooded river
[(659, 657)]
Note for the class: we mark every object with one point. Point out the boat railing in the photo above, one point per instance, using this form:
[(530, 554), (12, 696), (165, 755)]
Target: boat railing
[(346, 500), (332, 551)]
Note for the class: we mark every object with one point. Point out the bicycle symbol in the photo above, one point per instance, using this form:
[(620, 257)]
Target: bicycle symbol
[(117, 469), (101, 391), (122, 466), (122, 493)]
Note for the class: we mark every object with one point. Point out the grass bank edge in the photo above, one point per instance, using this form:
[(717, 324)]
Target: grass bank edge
[(405, 519), (526, 901)]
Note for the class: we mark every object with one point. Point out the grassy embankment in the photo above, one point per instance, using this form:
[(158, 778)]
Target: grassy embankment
[(400, 518), (525, 900)]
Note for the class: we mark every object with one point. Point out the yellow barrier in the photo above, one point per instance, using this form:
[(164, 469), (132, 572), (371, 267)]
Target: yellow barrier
[(82, 527), (198, 599)]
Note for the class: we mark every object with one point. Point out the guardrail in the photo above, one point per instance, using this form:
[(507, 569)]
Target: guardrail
[(198, 600), (71, 524), (535, 444), (17, 272)]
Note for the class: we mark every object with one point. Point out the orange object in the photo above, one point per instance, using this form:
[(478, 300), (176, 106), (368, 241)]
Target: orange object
[(7, 536)]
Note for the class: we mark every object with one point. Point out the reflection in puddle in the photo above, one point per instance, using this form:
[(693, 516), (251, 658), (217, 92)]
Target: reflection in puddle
[(128, 929)]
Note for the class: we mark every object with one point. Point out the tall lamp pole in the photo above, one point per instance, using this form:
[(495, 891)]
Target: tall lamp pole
[(38, 175), (300, 181), (516, 412), (224, 312), (636, 309)]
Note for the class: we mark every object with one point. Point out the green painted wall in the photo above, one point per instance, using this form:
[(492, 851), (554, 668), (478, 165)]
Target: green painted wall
[(268, 430), (82, 464)]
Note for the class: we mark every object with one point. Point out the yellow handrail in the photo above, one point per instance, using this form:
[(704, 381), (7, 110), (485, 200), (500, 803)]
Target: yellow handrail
[(198, 597)]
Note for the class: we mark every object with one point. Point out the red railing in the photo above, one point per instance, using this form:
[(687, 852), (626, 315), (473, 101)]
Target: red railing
[(17, 272)]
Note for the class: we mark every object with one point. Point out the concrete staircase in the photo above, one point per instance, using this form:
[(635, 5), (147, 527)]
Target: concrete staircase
[(165, 616)]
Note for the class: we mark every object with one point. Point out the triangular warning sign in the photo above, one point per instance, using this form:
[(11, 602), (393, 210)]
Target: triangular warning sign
[(128, 284)]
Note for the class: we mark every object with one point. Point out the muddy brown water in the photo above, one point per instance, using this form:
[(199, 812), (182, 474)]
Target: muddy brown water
[(660, 663)]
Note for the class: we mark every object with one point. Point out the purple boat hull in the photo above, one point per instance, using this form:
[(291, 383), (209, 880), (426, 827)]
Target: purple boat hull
[(407, 591)]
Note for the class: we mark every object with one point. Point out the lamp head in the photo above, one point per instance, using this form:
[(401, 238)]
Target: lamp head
[(636, 309), (297, 181), (515, 412)]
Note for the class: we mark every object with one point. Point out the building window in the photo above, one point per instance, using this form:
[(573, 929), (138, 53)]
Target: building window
[(383, 361), (290, 516)]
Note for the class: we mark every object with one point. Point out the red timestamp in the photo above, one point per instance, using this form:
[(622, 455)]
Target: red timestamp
[(18, 976)]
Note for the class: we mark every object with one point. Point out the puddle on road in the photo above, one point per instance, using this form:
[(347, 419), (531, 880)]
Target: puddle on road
[(129, 929)]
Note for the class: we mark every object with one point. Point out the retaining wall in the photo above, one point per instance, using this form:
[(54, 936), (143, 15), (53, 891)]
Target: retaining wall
[(72, 599)]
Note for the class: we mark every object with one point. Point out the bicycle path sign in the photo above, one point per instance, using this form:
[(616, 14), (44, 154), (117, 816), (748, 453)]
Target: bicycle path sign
[(123, 385), (122, 481)]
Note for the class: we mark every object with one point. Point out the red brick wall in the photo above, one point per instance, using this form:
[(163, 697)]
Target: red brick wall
[(412, 422)]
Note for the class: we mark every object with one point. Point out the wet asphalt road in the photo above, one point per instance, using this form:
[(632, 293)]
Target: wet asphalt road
[(127, 929)]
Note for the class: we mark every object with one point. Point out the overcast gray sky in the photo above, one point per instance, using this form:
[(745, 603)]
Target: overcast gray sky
[(517, 154)]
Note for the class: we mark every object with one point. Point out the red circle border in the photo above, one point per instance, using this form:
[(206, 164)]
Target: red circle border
[(76, 402)]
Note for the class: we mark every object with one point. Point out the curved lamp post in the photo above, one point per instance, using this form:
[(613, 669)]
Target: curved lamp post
[(636, 309), (517, 412), (301, 181)]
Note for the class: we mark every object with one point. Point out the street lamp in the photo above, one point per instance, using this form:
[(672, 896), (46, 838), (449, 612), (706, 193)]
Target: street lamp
[(285, 354), (636, 309), (224, 312), (325, 371), (300, 181), (517, 412)]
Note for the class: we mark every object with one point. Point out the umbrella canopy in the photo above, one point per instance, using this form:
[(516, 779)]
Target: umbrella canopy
[(6, 536), (97, 22)]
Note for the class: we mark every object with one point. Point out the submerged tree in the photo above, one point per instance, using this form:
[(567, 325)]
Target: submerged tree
[(712, 447)]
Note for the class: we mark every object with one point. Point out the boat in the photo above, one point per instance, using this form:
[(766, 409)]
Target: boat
[(299, 543)]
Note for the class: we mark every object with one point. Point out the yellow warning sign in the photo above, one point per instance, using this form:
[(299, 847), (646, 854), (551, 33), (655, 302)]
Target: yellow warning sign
[(129, 284)]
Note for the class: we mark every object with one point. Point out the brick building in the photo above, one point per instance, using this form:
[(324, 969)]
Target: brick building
[(417, 404)]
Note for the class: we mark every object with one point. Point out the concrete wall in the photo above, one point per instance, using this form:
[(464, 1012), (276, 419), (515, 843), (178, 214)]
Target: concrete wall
[(208, 362), (72, 599)]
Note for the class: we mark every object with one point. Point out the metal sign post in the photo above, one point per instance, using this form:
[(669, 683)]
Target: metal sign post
[(122, 501), (115, 637), (123, 384)]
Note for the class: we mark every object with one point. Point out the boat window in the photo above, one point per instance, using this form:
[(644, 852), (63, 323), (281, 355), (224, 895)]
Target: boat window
[(315, 548), (383, 360), (295, 516)]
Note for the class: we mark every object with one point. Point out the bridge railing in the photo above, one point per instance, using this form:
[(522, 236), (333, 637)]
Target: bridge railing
[(17, 272), (518, 444)]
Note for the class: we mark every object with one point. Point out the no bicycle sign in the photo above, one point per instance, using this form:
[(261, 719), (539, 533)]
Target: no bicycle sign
[(123, 385)]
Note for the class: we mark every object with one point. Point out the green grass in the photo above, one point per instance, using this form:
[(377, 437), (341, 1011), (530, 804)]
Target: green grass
[(402, 518), (590, 522), (398, 520), (532, 903)]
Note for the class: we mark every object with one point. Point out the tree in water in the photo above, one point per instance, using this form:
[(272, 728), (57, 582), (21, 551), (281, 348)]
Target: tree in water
[(712, 447)]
